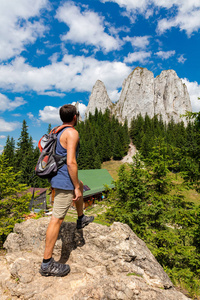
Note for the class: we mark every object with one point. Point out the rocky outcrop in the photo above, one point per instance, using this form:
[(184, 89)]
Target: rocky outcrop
[(106, 263), (171, 96), (164, 95), (98, 99), (137, 95)]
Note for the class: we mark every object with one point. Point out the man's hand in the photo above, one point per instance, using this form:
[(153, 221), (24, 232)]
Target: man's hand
[(77, 194)]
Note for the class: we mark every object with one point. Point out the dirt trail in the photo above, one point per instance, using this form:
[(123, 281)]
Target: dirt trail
[(131, 152)]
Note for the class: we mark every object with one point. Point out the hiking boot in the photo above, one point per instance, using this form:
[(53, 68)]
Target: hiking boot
[(81, 223), (54, 268)]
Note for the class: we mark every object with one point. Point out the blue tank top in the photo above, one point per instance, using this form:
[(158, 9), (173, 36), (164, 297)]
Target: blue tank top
[(62, 179)]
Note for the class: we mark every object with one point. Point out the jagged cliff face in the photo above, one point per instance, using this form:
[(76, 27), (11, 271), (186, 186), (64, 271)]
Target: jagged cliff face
[(98, 99), (164, 95), (137, 95), (171, 97)]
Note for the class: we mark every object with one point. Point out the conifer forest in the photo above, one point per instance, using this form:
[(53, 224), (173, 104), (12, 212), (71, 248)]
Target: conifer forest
[(150, 194)]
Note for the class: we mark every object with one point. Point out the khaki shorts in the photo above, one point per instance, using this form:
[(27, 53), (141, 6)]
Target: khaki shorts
[(62, 202)]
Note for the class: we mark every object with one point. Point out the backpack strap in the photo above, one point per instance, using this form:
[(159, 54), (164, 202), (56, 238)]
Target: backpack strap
[(57, 129)]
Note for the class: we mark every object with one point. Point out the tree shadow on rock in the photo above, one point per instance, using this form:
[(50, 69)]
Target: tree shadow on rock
[(71, 239)]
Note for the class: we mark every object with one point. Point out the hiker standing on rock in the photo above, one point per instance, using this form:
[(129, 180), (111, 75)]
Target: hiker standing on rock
[(67, 187)]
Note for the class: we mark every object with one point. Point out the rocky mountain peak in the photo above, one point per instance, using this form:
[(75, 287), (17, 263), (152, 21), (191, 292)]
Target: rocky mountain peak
[(137, 95), (171, 96), (143, 94), (98, 99)]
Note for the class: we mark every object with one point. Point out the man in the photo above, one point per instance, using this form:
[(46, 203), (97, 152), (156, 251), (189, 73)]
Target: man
[(67, 189)]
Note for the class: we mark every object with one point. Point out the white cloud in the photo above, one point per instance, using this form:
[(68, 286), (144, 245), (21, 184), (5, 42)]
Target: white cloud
[(16, 115), (54, 57), (86, 27), (165, 54), (181, 59), (40, 52), (30, 115), (184, 13), (114, 95), (81, 108), (8, 126), (7, 104), (138, 41), (50, 115), (188, 21), (187, 17), (194, 92), (16, 27), (34, 120), (73, 72), (85, 51), (53, 94), (140, 56), (2, 136), (130, 5)]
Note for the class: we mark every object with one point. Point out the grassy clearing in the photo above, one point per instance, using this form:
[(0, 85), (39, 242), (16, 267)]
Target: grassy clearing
[(190, 195), (112, 166)]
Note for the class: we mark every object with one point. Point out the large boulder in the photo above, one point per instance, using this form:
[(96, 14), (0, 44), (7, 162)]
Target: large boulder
[(106, 263)]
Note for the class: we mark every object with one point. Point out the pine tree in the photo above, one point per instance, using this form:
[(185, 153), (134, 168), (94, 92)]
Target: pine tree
[(137, 131), (24, 155), (9, 151), (28, 165), (196, 239), (12, 205), (126, 134), (49, 128), (158, 158), (22, 145)]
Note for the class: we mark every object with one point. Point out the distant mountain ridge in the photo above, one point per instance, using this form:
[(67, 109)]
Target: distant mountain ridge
[(164, 95)]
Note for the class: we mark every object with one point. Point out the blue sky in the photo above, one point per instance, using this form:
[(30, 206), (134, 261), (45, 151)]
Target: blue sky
[(52, 53)]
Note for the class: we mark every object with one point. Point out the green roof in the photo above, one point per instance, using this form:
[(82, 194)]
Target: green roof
[(96, 180)]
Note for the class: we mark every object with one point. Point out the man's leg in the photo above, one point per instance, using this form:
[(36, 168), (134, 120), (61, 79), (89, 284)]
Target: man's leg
[(62, 203), (82, 219), (79, 203), (51, 236)]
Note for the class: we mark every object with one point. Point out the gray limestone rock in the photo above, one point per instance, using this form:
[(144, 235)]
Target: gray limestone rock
[(171, 97), (143, 94), (98, 99), (137, 95), (106, 263)]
